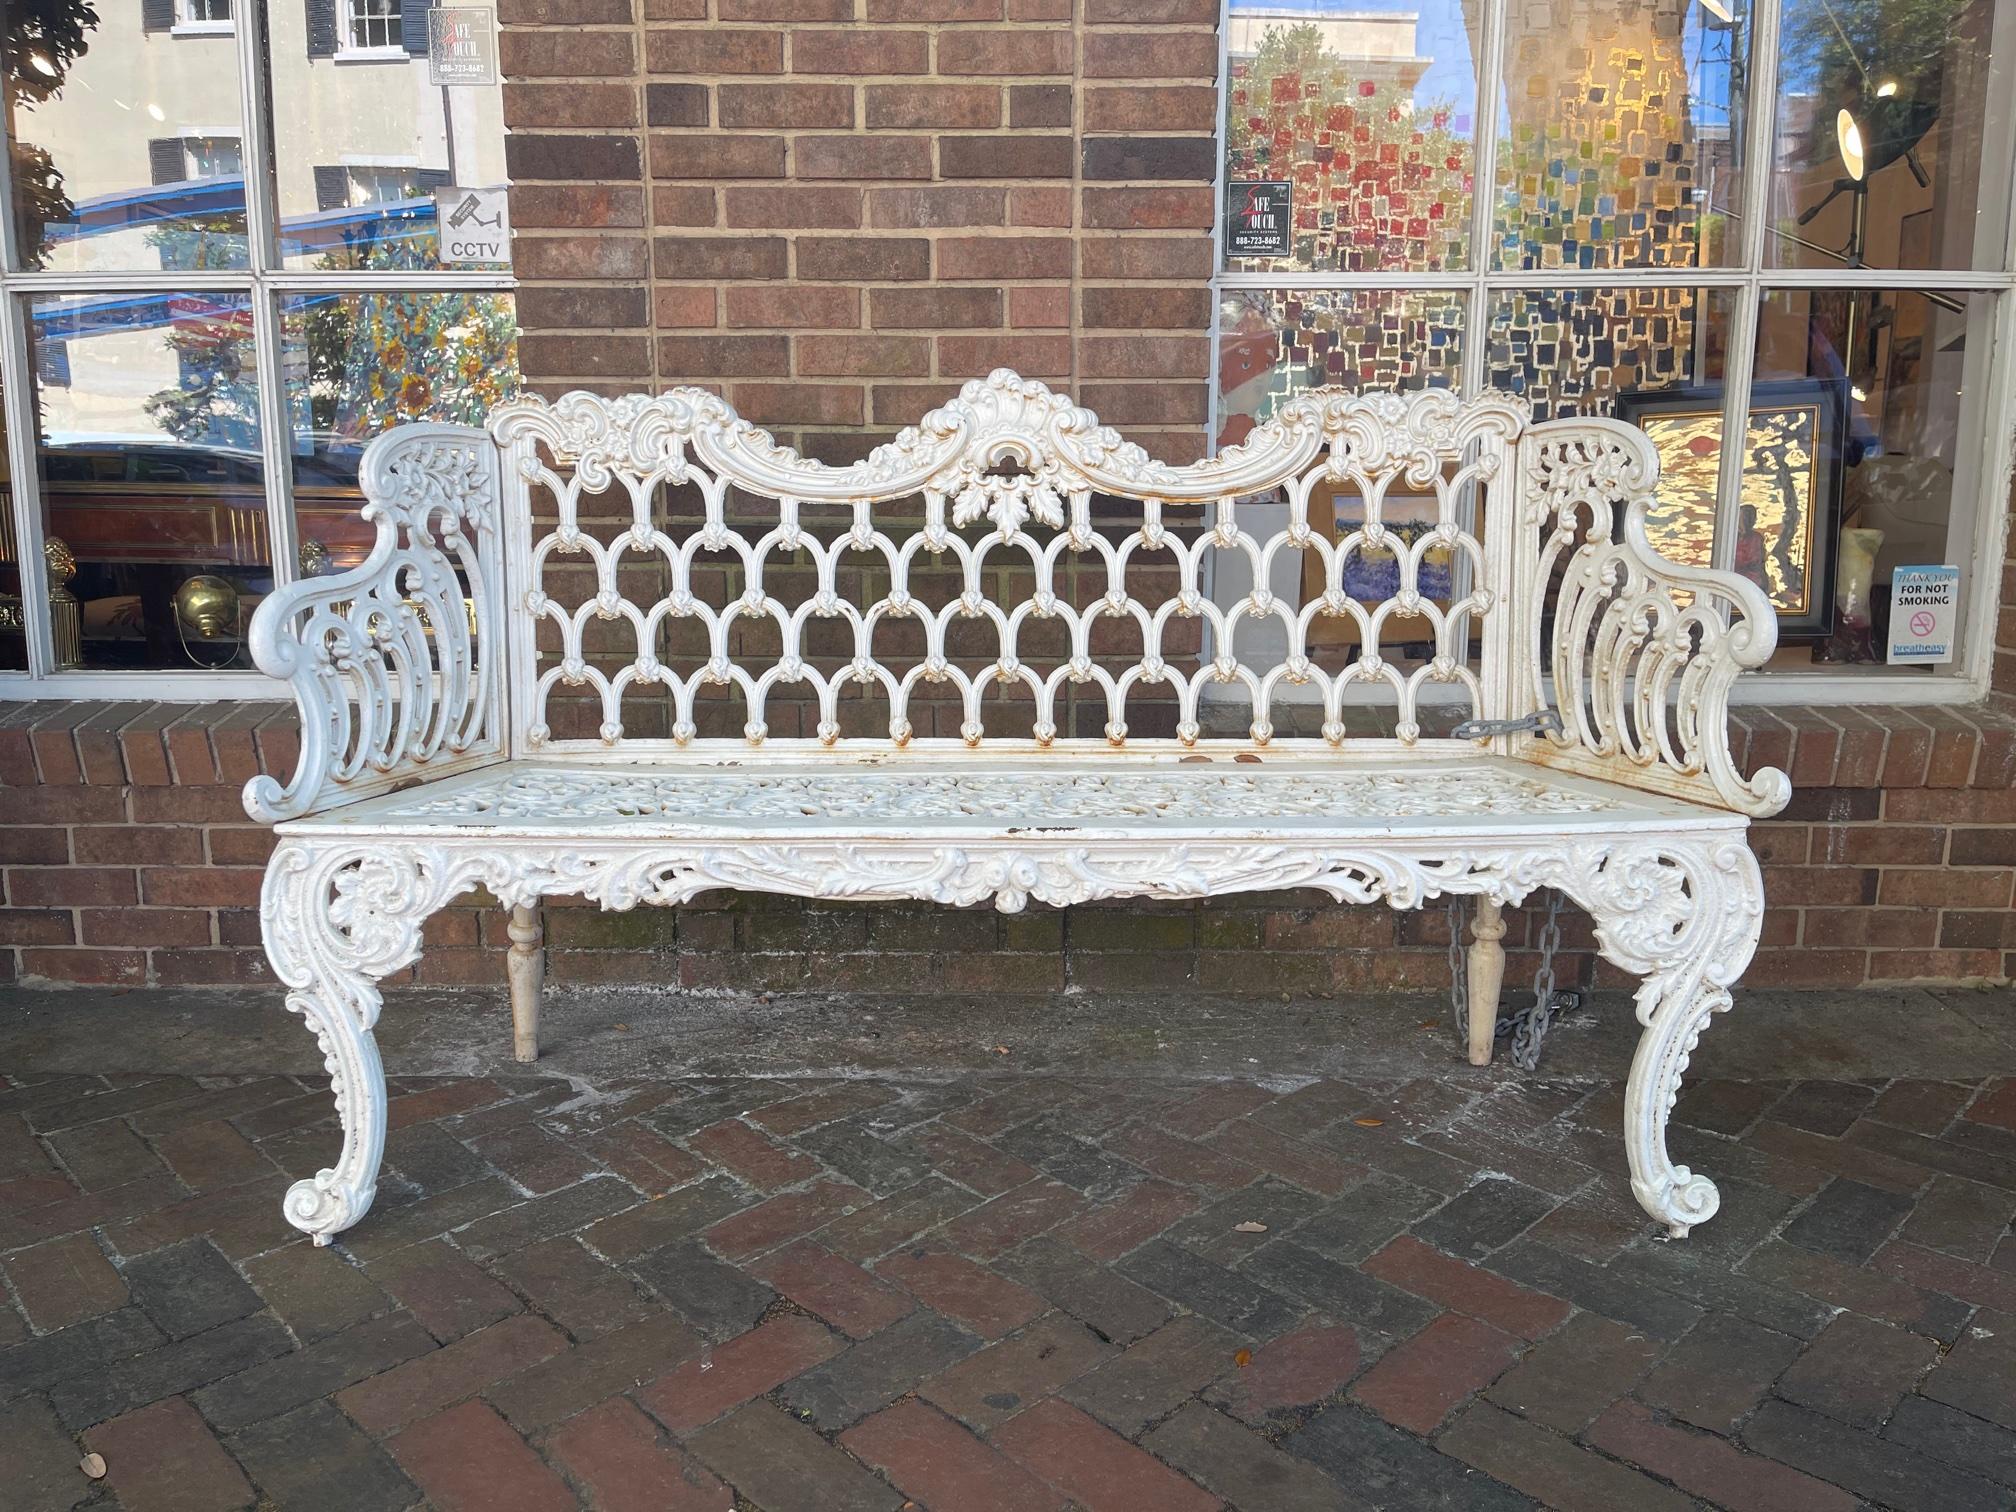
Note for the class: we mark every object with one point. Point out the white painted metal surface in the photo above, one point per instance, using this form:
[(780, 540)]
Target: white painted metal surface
[(410, 792)]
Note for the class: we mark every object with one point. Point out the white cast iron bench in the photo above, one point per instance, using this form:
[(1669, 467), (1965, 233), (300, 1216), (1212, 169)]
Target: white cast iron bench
[(634, 650)]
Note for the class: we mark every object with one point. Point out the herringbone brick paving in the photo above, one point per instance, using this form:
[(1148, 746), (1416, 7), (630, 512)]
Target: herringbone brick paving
[(1008, 1292)]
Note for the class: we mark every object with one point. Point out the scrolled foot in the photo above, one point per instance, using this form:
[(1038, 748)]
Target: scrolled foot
[(325, 1206), (1682, 1200)]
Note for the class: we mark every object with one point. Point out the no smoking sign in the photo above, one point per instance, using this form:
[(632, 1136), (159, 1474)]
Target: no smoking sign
[(1924, 607)]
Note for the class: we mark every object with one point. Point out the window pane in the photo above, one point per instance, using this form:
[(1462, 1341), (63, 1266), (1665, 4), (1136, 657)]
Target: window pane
[(358, 363), (1653, 357), (126, 140), (148, 451), (1274, 343), (1868, 394), (1598, 351), (1885, 126), (1617, 140), (1367, 112), (368, 144)]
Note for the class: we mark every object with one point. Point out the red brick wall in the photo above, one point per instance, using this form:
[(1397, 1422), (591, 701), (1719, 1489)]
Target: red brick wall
[(127, 859), (836, 210)]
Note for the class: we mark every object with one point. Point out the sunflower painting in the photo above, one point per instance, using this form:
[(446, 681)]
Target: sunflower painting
[(425, 357)]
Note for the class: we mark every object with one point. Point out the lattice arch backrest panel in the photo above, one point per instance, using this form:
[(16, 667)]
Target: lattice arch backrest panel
[(1009, 571)]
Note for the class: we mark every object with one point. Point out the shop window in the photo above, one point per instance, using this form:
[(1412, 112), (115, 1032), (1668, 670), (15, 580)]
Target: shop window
[(1682, 233), (191, 443)]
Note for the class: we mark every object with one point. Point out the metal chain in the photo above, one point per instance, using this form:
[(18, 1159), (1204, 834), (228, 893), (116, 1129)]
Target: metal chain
[(1456, 908), (1527, 1029)]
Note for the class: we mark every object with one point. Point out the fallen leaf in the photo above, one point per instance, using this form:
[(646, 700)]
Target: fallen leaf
[(1000, 1049), (93, 1465), (1249, 1227), (1369, 1123), (1243, 1358), (623, 1028)]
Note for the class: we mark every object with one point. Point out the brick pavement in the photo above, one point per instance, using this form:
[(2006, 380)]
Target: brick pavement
[(1022, 1293)]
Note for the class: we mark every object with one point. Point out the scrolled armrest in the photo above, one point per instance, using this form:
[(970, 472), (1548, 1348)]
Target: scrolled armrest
[(1644, 650), (395, 665)]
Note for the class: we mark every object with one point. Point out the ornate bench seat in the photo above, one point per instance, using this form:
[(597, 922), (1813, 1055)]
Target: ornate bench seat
[(633, 650)]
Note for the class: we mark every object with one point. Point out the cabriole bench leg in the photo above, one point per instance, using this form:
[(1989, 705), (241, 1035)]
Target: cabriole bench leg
[(1487, 976), (527, 967)]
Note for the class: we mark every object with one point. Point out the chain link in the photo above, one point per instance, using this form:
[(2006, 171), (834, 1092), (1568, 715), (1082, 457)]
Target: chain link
[(1527, 1028), (1456, 908)]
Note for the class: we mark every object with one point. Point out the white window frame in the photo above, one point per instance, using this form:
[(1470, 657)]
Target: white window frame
[(188, 24), (350, 50), (1980, 508), (353, 166), (191, 136), (266, 282)]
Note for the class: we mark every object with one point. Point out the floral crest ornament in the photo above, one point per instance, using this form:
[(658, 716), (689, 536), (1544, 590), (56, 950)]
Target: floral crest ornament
[(1009, 502), (1595, 675)]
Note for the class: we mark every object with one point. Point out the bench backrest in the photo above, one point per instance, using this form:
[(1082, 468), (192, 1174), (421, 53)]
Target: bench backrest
[(1011, 572)]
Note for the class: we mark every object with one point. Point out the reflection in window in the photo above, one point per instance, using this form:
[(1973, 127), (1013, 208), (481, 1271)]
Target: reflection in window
[(361, 150), (1884, 131), (1586, 351), (1616, 147), (213, 157), (153, 485), (360, 363), (125, 145), (1366, 113), (1274, 343), (206, 12), (386, 186)]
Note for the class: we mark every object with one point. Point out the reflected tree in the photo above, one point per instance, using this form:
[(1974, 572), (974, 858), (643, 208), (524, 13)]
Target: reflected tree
[(39, 42)]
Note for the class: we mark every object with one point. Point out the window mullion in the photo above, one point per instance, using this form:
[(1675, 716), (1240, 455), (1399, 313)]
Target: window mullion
[(262, 236), (22, 464), (1760, 102), (276, 427), (1483, 192), (256, 136)]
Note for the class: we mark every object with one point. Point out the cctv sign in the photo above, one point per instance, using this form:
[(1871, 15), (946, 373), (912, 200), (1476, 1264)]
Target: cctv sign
[(475, 227)]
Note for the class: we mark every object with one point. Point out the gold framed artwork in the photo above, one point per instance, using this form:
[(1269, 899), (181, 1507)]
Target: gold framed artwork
[(1789, 515)]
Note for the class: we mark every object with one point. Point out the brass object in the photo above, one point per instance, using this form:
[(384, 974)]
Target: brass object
[(60, 562), (66, 615), (206, 606), (313, 558)]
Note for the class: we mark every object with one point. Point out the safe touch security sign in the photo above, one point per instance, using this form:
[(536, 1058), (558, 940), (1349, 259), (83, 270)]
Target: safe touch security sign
[(1257, 218), (462, 46)]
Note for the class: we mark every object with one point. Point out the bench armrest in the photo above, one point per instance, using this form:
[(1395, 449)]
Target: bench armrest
[(397, 664), (1643, 650)]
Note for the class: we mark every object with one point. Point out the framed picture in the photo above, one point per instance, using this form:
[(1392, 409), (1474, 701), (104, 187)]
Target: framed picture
[(1789, 516), (1371, 575)]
